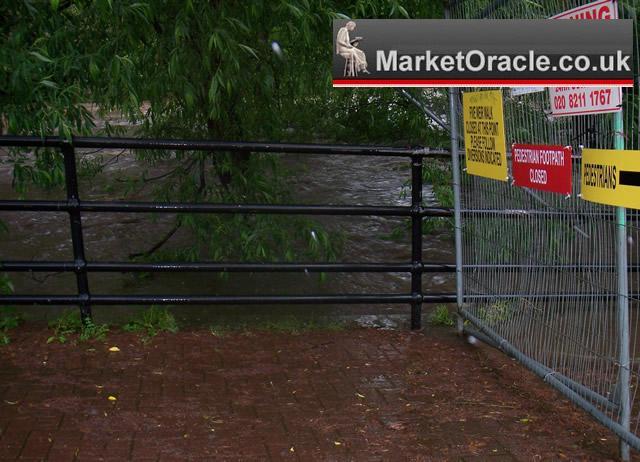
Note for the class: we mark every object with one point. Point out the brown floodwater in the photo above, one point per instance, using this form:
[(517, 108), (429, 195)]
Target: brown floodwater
[(316, 179)]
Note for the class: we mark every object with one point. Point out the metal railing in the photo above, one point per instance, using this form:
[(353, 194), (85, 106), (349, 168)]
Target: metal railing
[(81, 266)]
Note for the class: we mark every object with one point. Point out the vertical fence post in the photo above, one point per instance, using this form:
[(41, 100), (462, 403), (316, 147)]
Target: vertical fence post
[(73, 199), (623, 302), (457, 217), (416, 241)]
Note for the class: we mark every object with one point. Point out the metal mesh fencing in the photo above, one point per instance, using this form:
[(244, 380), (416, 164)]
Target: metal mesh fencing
[(540, 272)]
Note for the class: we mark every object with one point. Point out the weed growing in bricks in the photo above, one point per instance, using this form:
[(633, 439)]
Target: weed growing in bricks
[(441, 317), (69, 323), (152, 321), (91, 331), (221, 330), (8, 320)]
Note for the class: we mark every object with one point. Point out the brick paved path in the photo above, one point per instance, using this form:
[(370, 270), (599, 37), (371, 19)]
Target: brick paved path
[(347, 395)]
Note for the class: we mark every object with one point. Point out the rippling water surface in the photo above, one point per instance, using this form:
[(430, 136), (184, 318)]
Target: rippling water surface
[(316, 179)]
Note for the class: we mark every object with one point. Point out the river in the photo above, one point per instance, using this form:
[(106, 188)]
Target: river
[(316, 179)]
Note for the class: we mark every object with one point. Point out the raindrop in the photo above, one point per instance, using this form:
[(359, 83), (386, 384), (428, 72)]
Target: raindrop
[(275, 46)]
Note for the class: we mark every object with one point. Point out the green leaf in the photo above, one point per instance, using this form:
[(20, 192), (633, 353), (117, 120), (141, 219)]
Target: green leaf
[(249, 50), (213, 88), (94, 70), (49, 83), (214, 41), (40, 57), (189, 97)]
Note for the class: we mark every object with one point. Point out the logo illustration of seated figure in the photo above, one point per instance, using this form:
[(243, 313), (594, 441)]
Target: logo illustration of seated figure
[(355, 59)]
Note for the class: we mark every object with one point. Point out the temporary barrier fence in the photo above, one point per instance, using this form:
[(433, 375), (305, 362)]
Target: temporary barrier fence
[(587, 346)]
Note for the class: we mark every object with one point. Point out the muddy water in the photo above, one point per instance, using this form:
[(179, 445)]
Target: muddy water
[(315, 179)]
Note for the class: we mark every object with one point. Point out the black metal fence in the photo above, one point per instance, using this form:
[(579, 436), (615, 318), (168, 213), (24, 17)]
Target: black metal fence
[(74, 206)]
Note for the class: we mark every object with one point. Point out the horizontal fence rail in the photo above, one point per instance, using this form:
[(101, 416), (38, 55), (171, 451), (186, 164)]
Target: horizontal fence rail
[(128, 267), (154, 207), (228, 146), (226, 267), (81, 266), (226, 299)]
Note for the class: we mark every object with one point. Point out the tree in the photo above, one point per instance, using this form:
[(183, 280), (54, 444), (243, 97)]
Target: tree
[(205, 70)]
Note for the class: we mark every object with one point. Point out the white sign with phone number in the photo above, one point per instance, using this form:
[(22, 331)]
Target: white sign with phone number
[(570, 101)]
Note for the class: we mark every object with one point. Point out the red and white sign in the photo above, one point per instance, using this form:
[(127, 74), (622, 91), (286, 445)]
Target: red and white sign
[(543, 167), (570, 101), (519, 91), (602, 9)]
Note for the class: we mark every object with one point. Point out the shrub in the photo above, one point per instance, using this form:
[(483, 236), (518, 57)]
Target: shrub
[(442, 317), (152, 321), (70, 323), (8, 320)]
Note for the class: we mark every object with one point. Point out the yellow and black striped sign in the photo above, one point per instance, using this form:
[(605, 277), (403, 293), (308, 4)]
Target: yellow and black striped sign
[(611, 177)]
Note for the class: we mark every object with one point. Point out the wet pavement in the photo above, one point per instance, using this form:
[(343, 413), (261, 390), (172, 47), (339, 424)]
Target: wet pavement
[(356, 394)]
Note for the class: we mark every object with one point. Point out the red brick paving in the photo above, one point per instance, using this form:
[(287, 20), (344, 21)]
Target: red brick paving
[(359, 394)]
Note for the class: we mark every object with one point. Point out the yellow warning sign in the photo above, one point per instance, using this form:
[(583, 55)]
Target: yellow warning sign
[(484, 141), (611, 177)]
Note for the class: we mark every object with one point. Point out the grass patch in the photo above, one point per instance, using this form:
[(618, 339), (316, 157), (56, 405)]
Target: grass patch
[(441, 317), (288, 324), (9, 319), (497, 312), (151, 322), (69, 323)]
